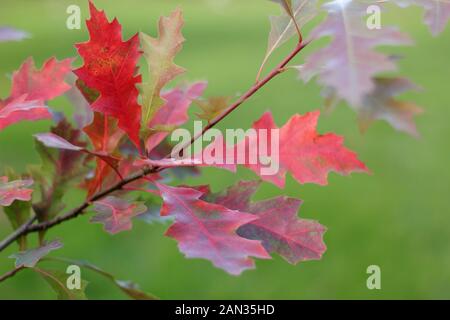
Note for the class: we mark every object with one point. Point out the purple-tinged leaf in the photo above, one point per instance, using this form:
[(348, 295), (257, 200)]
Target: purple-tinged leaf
[(437, 13), (382, 105), (208, 231), (350, 61), (51, 140), (278, 227), (116, 214)]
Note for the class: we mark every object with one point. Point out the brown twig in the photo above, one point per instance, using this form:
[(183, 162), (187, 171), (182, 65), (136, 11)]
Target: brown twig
[(29, 227), (11, 273)]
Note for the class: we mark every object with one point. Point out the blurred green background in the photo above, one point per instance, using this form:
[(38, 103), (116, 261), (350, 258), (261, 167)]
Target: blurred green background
[(397, 218)]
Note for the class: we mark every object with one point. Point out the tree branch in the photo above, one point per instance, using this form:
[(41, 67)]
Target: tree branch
[(17, 233), (29, 227), (11, 273)]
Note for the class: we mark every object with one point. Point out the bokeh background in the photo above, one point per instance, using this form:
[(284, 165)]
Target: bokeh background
[(397, 218)]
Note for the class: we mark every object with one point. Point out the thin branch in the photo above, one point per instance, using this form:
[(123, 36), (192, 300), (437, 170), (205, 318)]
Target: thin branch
[(11, 273), (29, 228), (255, 88), (17, 233)]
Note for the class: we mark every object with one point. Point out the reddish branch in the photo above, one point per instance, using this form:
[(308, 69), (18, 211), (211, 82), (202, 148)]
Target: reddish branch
[(29, 227), (11, 273)]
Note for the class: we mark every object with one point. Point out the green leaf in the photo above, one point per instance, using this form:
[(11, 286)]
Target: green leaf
[(212, 107), (30, 258), (128, 287), (58, 281), (160, 54)]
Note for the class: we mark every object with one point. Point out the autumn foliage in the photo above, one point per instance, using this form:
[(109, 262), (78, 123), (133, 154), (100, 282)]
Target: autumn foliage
[(118, 149)]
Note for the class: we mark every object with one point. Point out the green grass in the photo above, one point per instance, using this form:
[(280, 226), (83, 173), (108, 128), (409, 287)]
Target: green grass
[(398, 217)]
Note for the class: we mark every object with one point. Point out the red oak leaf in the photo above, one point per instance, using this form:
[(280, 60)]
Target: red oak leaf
[(116, 214), (19, 110), (307, 155), (278, 226), (31, 88), (206, 230), (14, 190), (173, 113), (42, 85), (109, 67)]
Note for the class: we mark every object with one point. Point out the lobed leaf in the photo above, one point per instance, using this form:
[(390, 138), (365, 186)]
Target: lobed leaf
[(41, 85), (116, 214), (382, 105), (30, 258), (277, 227), (306, 154), (349, 63), (208, 231), (109, 67), (437, 13), (159, 54), (31, 88)]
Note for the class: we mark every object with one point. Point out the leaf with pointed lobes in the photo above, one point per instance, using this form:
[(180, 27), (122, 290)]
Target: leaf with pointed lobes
[(110, 68), (58, 281), (60, 169), (41, 85), (31, 88), (307, 155), (12, 34), (212, 107), (278, 227), (160, 55), (31, 257), (206, 230), (116, 214), (382, 105), (173, 113), (14, 190), (349, 63), (283, 27), (437, 13)]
